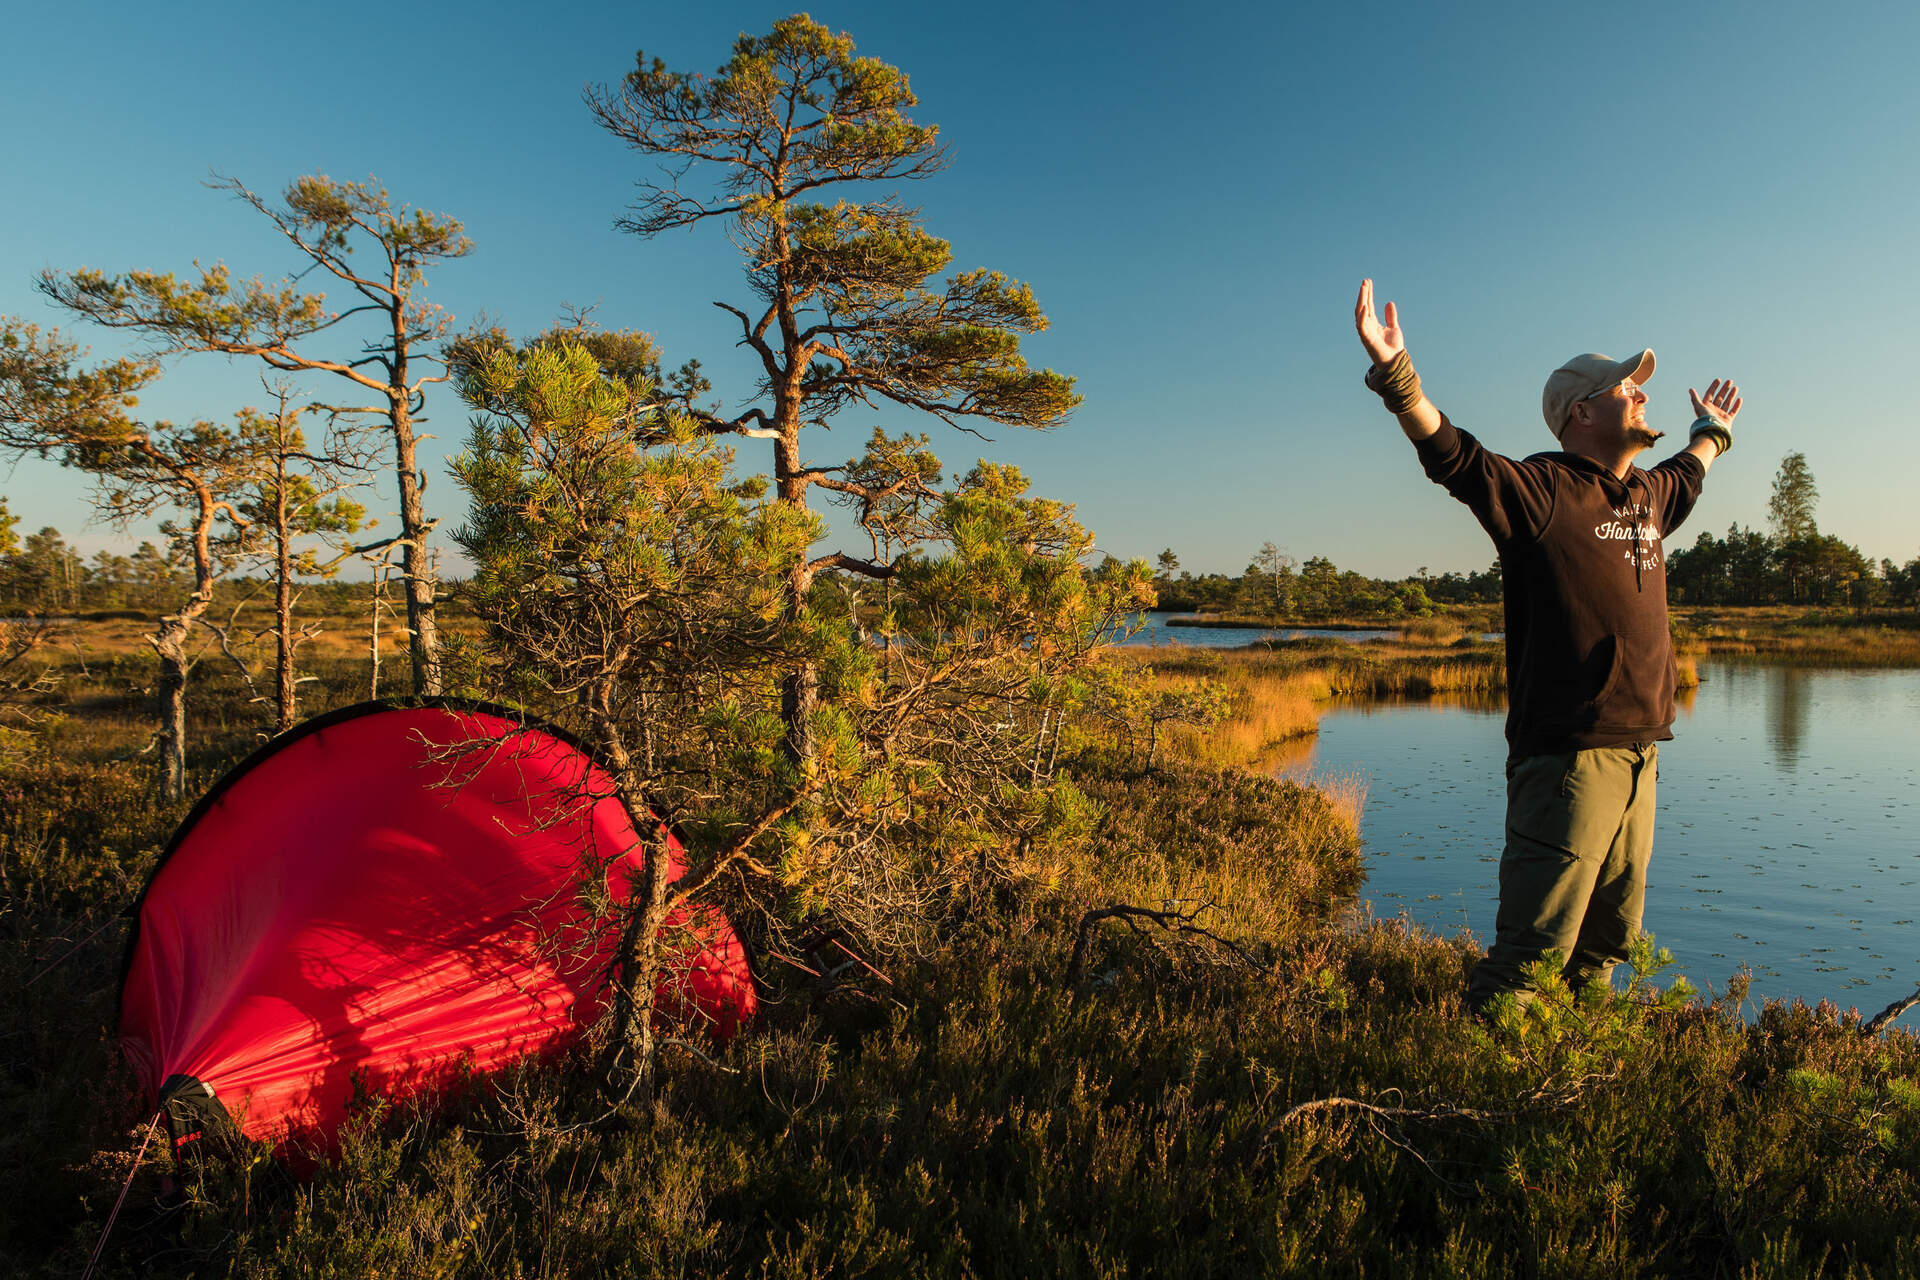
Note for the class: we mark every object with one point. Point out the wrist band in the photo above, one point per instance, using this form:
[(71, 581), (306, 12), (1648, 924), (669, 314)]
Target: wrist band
[(1714, 431), (1395, 382)]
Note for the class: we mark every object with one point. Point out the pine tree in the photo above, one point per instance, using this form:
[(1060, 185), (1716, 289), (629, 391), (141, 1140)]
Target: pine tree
[(298, 494), (53, 406), (295, 332), (1790, 509), (846, 308), (632, 589)]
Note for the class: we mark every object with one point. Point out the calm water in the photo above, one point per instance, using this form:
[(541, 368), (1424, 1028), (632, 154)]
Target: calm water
[(1788, 836), (1156, 631)]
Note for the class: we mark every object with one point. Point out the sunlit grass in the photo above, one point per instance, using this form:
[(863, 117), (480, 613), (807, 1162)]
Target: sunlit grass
[(1439, 629), (1837, 638), (1279, 691)]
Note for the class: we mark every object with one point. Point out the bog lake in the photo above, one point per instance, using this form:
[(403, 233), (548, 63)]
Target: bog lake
[(1788, 836)]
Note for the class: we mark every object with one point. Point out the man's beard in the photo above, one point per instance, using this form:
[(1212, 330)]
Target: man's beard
[(1644, 436)]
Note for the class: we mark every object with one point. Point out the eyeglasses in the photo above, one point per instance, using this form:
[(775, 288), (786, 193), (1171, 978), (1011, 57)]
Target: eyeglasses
[(1634, 391)]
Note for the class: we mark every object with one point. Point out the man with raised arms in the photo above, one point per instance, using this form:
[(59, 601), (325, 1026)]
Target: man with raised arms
[(1590, 670)]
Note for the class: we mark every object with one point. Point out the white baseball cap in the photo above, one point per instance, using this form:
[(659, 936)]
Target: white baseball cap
[(1584, 376)]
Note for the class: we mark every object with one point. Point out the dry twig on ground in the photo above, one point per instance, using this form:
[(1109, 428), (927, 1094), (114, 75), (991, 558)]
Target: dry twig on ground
[(1194, 939)]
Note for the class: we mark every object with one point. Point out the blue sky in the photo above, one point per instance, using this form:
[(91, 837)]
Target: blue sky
[(1194, 201)]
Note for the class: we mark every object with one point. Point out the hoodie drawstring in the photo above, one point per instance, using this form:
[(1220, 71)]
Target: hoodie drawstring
[(1626, 500)]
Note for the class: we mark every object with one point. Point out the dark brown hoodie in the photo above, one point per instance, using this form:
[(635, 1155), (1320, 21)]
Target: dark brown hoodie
[(1589, 653)]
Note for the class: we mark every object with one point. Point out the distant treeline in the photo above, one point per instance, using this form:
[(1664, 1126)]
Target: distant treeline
[(1751, 567), (42, 574), (1274, 586), (1746, 567)]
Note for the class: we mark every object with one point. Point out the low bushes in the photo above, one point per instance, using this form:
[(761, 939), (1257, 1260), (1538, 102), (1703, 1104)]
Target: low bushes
[(1324, 1109), (1242, 1084)]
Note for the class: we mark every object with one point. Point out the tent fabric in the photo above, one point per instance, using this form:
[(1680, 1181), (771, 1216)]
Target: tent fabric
[(374, 898)]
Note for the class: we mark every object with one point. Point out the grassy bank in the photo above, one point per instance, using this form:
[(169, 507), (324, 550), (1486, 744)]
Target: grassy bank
[(1777, 633), (1278, 689), (1465, 619), (1240, 1084), (1824, 638)]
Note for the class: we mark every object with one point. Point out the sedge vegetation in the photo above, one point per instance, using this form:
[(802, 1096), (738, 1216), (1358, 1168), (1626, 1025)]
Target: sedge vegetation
[(1810, 637), (1270, 694)]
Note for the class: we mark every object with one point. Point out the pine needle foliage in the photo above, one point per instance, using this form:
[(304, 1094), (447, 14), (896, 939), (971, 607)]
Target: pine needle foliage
[(852, 302), (633, 590)]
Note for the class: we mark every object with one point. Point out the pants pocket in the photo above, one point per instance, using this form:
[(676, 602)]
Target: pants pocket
[(1572, 802)]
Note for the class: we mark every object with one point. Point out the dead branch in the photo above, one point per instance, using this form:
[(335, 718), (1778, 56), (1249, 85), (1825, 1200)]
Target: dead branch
[(862, 963), (1385, 1123), (222, 633), (1179, 923), (734, 852), (153, 741), (1444, 1112), (1887, 1016), (852, 564), (687, 1046), (1543, 1096)]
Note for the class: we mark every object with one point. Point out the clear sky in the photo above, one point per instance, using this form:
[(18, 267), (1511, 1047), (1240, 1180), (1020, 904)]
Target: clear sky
[(1194, 200)]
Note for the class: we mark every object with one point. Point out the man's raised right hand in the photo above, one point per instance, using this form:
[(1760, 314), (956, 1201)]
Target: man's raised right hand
[(1382, 341)]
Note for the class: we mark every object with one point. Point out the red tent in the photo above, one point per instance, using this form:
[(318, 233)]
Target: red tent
[(376, 893)]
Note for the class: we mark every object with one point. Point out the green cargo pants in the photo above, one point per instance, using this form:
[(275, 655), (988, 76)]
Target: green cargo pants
[(1573, 876)]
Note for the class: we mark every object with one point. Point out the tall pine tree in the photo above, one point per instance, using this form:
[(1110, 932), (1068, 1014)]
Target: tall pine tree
[(849, 301)]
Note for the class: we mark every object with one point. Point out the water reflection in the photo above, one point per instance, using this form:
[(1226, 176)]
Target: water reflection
[(1787, 837), (1787, 693), (1296, 757), (1789, 699), (1153, 630)]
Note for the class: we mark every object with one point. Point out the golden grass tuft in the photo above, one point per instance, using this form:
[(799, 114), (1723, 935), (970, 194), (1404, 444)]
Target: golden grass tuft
[(1437, 630), (1799, 636), (1277, 691), (1266, 712), (1346, 795)]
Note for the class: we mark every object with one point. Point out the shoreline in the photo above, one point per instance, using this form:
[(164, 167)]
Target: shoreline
[(1231, 623)]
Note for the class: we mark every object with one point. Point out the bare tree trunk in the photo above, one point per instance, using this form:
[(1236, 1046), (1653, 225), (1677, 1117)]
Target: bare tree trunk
[(800, 689), (1040, 736), (646, 733), (169, 642), (381, 569), (637, 964), (853, 614), (799, 695), (283, 609), (416, 566), (640, 967)]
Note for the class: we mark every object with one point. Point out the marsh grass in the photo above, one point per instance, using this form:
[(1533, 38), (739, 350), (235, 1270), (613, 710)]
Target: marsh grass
[(1178, 1111), (1831, 638), (1440, 629), (1267, 858), (1279, 689), (1473, 619)]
